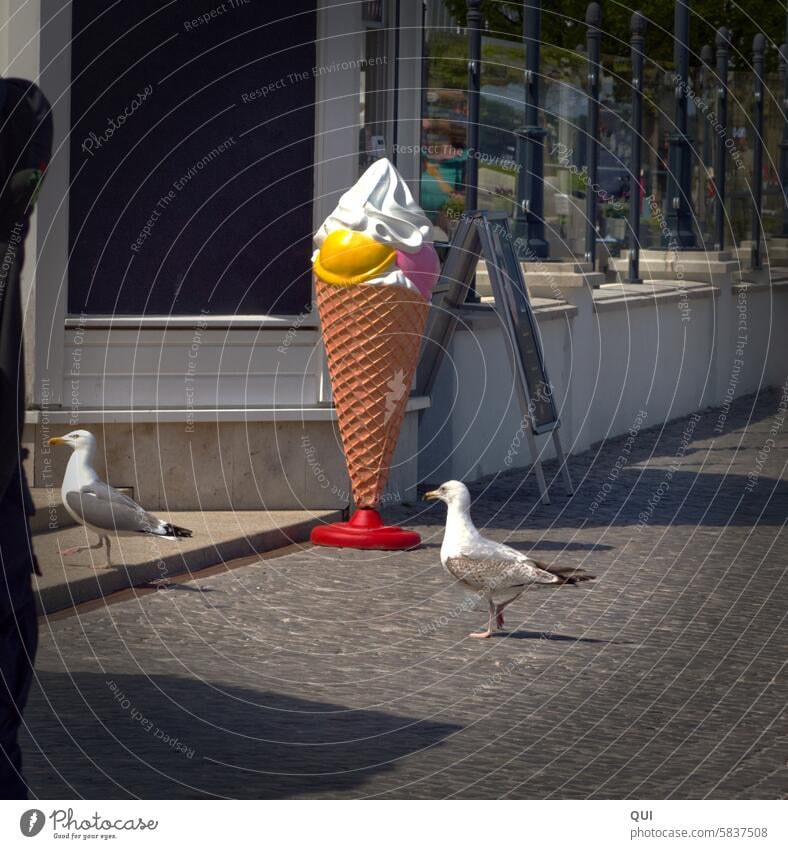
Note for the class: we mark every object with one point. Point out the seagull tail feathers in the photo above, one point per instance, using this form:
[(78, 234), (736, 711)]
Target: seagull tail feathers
[(566, 574), (175, 531)]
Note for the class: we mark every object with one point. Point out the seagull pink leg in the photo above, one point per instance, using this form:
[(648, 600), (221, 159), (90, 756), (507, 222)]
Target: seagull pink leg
[(499, 613), (106, 565), (483, 635), (78, 549)]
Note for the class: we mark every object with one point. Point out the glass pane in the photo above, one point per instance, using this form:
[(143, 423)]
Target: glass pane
[(738, 159), (566, 144), (703, 137), (444, 117), (773, 207), (658, 123), (614, 181), (503, 61)]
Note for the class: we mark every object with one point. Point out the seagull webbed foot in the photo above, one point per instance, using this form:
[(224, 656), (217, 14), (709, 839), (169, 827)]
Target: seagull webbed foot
[(481, 635)]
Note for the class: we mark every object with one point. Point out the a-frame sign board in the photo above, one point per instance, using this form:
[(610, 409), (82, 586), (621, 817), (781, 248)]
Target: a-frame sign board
[(487, 234)]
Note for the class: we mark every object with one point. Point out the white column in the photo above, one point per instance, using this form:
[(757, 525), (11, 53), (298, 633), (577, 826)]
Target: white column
[(52, 244), (409, 96), (339, 39), (34, 45)]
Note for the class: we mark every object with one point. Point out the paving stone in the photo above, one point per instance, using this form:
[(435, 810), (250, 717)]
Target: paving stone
[(344, 674)]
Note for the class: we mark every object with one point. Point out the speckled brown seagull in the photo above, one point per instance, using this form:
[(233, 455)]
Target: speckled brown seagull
[(489, 569)]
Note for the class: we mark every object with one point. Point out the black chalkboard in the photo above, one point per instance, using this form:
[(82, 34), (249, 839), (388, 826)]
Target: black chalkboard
[(511, 296), (488, 235), (192, 146)]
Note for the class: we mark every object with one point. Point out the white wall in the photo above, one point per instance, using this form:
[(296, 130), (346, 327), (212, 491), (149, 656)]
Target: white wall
[(607, 363), (188, 367)]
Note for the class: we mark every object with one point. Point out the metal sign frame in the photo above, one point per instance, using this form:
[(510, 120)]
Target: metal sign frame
[(487, 234)]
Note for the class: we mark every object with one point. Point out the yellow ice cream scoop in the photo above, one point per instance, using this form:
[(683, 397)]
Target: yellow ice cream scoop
[(347, 257)]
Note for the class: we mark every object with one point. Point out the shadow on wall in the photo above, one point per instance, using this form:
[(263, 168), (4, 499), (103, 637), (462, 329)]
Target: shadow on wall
[(122, 736)]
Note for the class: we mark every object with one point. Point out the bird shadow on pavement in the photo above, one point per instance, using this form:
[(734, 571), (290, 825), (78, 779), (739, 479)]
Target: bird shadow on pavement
[(554, 638), (101, 736)]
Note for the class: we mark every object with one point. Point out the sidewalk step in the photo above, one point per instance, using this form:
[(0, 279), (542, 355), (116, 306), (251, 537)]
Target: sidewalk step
[(51, 515), (218, 537)]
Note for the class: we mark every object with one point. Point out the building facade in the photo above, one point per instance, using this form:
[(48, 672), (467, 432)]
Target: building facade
[(197, 148)]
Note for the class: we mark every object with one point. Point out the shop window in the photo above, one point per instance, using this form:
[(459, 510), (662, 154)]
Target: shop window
[(191, 158)]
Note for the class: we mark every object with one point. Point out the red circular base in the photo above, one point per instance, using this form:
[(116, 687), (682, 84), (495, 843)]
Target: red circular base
[(365, 530)]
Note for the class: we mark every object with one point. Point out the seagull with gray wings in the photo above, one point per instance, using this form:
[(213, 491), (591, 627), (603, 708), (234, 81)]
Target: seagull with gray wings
[(489, 569), (96, 505)]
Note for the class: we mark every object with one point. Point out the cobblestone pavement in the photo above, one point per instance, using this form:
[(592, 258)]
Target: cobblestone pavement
[(348, 674)]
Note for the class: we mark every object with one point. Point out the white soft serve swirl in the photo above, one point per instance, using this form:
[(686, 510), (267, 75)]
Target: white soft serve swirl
[(381, 206)]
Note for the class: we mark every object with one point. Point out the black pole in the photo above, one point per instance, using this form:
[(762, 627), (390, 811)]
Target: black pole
[(395, 116), (722, 41), (758, 48), (706, 88), (679, 205), (474, 18), (637, 28), (593, 51), (707, 64), (784, 142), (529, 215)]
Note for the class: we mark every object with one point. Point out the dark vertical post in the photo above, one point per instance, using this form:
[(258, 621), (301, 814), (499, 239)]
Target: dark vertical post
[(707, 63), (758, 48), (593, 51), (722, 41), (395, 116), (529, 215), (474, 17), (679, 206), (784, 142), (706, 87), (637, 28)]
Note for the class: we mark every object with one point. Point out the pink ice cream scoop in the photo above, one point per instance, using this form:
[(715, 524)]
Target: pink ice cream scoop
[(422, 268)]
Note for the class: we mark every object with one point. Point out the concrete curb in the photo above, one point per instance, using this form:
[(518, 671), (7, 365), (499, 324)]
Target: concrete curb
[(73, 590)]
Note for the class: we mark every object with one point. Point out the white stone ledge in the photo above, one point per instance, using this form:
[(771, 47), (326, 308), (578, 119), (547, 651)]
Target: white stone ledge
[(189, 322), (615, 296), (700, 263), (118, 415), (766, 278), (545, 309)]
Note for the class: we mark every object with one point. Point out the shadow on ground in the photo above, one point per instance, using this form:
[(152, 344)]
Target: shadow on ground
[(555, 638), (668, 476), (171, 737)]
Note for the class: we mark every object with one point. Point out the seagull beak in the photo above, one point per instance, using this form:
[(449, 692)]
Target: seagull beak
[(57, 440), (432, 496)]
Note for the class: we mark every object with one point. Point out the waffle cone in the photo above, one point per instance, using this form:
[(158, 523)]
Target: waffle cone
[(372, 336)]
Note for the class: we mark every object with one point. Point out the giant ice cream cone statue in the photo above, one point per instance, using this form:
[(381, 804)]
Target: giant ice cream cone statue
[(374, 271)]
